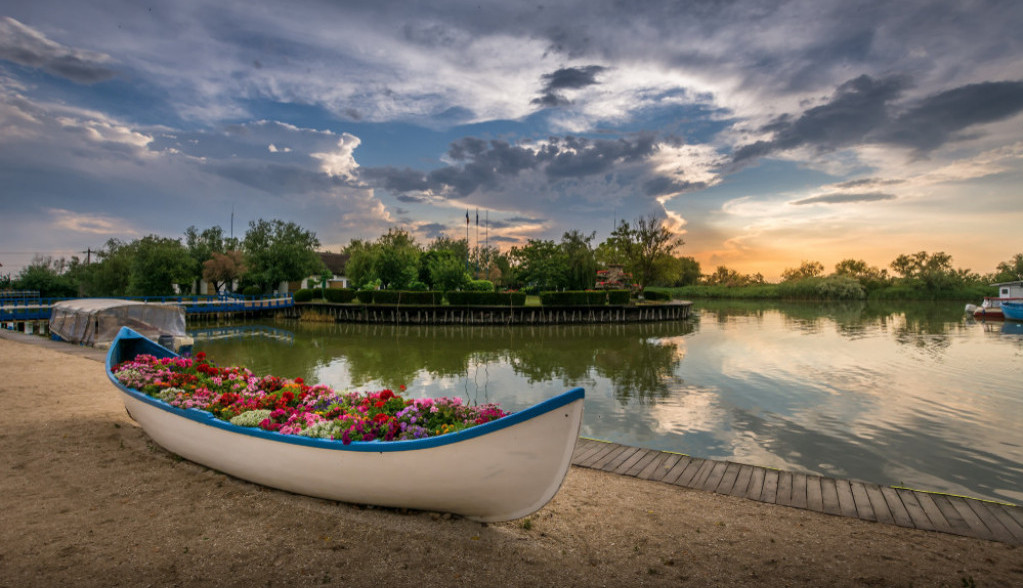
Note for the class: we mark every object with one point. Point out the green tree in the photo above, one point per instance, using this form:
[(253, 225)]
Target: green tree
[(581, 270), (1011, 270), (447, 272), (724, 276), (362, 257), (156, 265), (868, 276), (645, 250), (397, 259), (203, 245), (540, 265), (686, 271), (51, 277), (933, 273), (110, 274), (278, 251), (807, 269)]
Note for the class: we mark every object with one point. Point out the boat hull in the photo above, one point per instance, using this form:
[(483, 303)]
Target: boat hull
[(502, 470), (1013, 310)]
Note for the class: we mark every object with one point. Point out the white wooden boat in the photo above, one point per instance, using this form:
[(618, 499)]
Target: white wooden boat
[(501, 470)]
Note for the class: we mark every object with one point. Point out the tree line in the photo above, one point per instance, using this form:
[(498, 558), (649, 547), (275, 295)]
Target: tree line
[(274, 251)]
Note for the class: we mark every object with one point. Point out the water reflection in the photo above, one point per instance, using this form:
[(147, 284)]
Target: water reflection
[(893, 393)]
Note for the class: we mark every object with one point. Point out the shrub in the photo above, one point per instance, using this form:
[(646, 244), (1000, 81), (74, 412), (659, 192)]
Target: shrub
[(617, 297), (341, 295), (365, 296), (303, 295), (480, 286), (252, 291), (656, 294)]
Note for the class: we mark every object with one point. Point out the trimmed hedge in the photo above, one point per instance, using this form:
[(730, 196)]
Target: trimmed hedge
[(574, 298), (341, 295), (415, 297), (651, 294), (464, 298), (303, 295), (618, 297)]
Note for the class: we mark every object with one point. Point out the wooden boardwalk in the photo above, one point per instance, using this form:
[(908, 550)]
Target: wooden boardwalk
[(893, 506)]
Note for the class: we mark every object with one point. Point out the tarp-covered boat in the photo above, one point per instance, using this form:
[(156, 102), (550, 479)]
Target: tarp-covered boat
[(97, 321), (501, 470)]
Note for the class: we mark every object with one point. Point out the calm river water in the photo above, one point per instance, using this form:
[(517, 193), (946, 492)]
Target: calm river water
[(909, 394)]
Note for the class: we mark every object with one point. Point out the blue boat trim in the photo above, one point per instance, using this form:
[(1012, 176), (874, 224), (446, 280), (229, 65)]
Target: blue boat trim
[(144, 345)]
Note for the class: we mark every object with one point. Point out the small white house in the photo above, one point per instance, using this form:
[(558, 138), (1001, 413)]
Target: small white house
[(1010, 289)]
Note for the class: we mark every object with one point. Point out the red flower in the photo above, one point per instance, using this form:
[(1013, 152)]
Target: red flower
[(381, 418), (299, 381)]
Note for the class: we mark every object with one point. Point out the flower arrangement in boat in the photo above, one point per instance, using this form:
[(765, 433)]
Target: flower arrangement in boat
[(291, 407)]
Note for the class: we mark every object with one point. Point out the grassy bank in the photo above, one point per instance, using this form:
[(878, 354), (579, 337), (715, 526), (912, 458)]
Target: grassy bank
[(829, 289)]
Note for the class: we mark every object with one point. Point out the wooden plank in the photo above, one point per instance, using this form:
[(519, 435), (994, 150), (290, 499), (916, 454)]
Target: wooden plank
[(829, 496), (662, 469), (938, 520), (915, 510), (974, 522), (653, 465), (714, 477), (879, 504), (846, 502), (584, 448), (617, 460), (955, 520), (863, 508), (1001, 512), (814, 497), (770, 491), (728, 479), (592, 458), (784, 497), (742, 480), (756, 484), (895, 506), (685, 476), (672, 476), (998, 531), (700, 475), (610, 456), (631, 461), (640, 465), (799, 490)]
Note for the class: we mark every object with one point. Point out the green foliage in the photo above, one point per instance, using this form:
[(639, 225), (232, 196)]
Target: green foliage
[(647, 251), (53, 278), (156, 265), (480, 286), (365, 296), (1010, 271), (540, 264), (755, 291), (724, 276), (618, 297), (817, 288), (807, 269), (278, 251), (303, 295), (446, 271), (397, 259), (252, 291), (581, 263), (486, 298), (655, 294), (339, 295), (405, 297)]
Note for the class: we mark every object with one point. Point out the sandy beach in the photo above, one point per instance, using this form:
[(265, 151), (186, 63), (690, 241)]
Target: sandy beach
[(89, 500)]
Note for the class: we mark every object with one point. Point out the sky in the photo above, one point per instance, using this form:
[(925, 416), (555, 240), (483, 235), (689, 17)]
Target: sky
[(765, 133)]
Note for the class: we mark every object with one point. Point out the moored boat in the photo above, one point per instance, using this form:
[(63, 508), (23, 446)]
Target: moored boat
[(991, 308), (1013, 310), (499, 470), (97, 321)]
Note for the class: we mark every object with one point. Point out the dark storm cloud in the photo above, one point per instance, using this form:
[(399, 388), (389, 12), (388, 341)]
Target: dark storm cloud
[(662, 186), (569, 78), (863, 111), (579, 157), (844, 198), (396, 179), (24, 46), (935, 120), (433, 230)]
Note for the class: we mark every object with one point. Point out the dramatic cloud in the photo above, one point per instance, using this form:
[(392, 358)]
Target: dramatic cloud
[(25, 46), (864, 111), (571, 78)]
